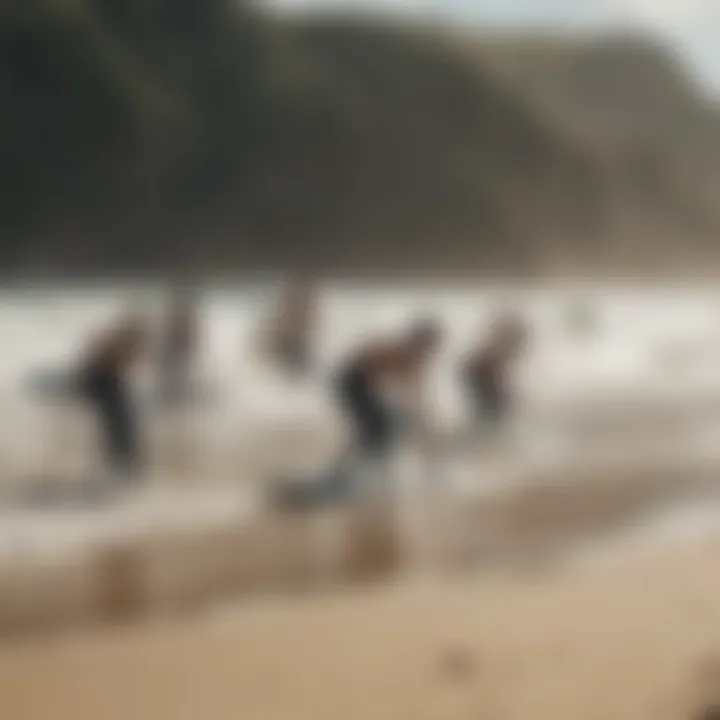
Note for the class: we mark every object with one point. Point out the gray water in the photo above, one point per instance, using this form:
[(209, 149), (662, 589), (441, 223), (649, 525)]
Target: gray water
[(645, 381)]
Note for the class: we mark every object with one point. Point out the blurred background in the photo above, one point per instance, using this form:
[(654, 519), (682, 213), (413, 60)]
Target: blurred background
[(513, 137), (228, 227)]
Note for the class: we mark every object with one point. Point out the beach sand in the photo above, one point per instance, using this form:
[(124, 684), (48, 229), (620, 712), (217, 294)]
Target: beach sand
[(526, 597), (627, 636)]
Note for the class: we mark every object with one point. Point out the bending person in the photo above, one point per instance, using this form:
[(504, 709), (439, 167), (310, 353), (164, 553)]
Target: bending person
[(377, 427), (105, 384)]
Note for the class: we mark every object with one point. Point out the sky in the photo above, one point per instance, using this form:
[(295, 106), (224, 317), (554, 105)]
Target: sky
[(692, 25)]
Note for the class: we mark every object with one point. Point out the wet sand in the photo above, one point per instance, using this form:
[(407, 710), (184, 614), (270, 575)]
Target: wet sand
[(163, 551), (634, 636), (201, 532)]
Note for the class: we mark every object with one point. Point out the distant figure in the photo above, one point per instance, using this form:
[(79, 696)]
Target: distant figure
[(178, 349), (293, 329), (104, 382), (396, 366), (487, 372)]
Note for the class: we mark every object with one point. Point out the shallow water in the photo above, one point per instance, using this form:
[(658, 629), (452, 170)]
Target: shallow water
[(647, 376), (42, 328)]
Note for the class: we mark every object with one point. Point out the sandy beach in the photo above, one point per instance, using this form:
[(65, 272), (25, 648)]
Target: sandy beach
[(629, 636), (566, 574), (360, 360)]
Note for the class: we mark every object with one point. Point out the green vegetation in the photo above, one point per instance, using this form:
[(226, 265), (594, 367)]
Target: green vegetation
[(173, 134)]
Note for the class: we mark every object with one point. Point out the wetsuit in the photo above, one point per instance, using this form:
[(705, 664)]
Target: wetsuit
[(103, 383), (375, 425)]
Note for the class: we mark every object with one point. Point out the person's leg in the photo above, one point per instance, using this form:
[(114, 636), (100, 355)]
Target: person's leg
[(379, 435), (121, 428), (356, 467), (370, 425), (378, 430), (90, 390), (97, 392)]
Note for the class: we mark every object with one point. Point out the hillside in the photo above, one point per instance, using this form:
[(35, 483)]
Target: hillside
[(440, 165), (168, 136), (623, 95)]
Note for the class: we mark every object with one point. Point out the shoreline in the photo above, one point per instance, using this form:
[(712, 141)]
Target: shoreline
[(152, 556), (633, 638)]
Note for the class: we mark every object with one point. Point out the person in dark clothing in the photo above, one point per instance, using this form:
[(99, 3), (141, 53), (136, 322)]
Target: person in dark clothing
[(104, 384), (487, 372), (376, 427), (373, 422)]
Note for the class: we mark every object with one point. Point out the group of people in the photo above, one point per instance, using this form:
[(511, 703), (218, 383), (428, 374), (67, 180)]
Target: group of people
[(399, 366), (368, 377)]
